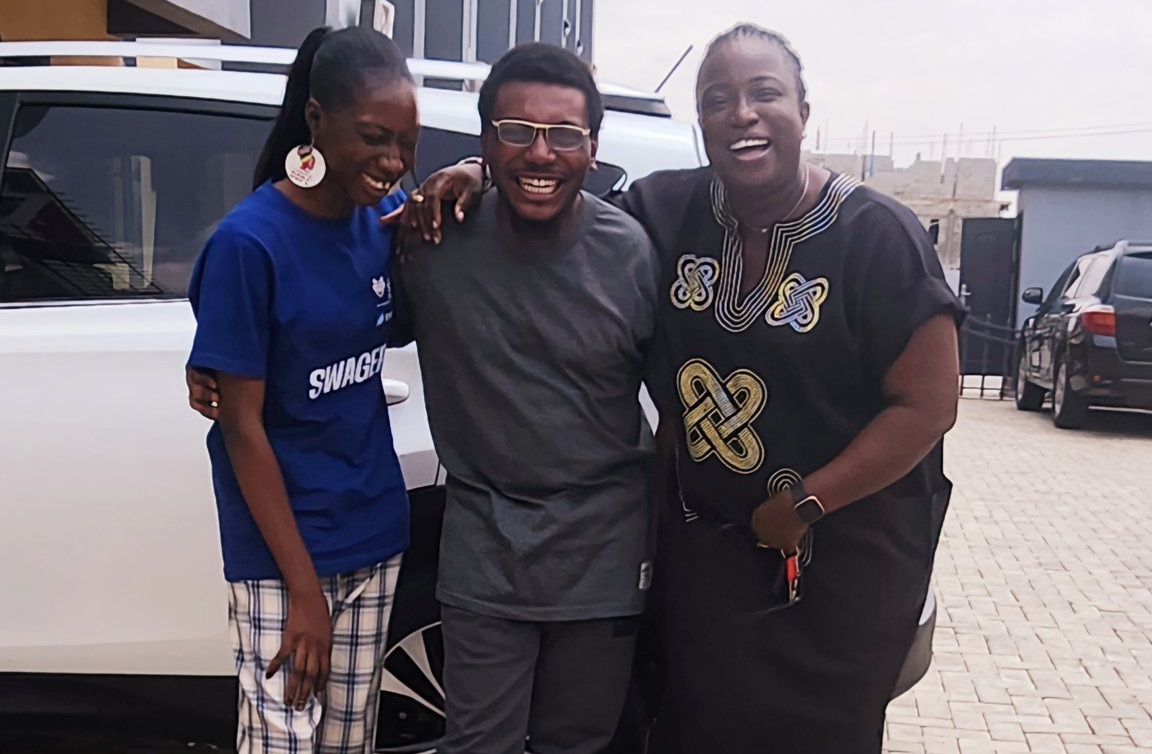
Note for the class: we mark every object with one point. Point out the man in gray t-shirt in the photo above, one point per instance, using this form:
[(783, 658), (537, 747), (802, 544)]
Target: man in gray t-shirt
[(534, 320), (531, 356)]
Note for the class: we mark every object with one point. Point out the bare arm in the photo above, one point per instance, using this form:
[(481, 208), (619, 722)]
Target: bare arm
[(308, 633), (922, 391)]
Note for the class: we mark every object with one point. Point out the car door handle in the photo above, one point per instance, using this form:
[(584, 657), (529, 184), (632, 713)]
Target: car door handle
[(396, 391)]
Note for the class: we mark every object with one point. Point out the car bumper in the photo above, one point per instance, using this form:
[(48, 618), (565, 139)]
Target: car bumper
[(920, 655), (1099, 374)]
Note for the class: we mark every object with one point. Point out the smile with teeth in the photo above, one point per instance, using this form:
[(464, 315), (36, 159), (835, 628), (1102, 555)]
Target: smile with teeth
[(376, 184), (539, 185), (750, 144)]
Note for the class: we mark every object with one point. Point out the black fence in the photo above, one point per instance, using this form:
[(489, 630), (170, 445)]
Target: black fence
[(987, 358)]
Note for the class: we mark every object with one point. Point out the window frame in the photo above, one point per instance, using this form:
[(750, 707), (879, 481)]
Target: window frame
[(12, 102)]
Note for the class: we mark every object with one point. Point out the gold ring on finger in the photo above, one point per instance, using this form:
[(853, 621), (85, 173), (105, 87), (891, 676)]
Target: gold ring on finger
[(417, 197)]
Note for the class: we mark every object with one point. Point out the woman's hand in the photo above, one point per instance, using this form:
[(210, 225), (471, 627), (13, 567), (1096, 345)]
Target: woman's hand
[(422, 215), (776, 524), (203, 393), (308, 641)]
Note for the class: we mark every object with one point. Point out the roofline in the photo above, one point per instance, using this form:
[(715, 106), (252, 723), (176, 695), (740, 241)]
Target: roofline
[(1022, 172), (279, 60)]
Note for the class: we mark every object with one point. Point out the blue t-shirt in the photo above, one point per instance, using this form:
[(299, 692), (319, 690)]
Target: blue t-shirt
[(305, 304)]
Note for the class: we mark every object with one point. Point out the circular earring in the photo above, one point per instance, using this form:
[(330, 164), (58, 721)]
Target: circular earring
[(305, 166)]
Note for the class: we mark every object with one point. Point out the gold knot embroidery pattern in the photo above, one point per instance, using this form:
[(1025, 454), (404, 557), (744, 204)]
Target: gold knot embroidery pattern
[(695, 278), (798, 303), (718, 414)]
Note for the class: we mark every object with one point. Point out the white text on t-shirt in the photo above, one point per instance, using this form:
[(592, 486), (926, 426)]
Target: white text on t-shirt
[(351, 371)]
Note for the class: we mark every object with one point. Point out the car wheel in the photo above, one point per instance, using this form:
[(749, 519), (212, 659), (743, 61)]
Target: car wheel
[(410, 717), (411, 696), (1029, 397), (1069, 409)]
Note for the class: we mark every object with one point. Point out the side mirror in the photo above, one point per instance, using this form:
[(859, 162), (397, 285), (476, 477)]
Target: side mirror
[(605, 179), (1033, 296)]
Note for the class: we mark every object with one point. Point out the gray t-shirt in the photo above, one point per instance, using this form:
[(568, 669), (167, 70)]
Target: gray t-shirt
[(532, 358)]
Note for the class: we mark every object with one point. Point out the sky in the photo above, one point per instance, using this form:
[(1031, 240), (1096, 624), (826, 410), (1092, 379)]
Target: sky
[(1054, 78)]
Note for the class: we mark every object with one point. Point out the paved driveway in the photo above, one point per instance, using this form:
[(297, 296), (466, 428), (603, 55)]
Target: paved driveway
[(1045, 580)]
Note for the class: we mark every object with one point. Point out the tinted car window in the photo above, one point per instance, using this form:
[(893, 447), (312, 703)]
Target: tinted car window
[(438, 148), (1134, 276), (107, 203), (1092, 277)]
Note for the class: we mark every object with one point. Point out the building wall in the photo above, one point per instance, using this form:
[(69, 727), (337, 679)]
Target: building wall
[(525, 20), (443, 31), (229, 20), (402, 27), (285, 23), (562, 22), (945, 193), (60, 19), (582, 43), (493, 32), (1059, 224)]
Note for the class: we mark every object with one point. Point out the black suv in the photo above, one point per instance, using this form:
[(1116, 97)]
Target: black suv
[(1090, 342)]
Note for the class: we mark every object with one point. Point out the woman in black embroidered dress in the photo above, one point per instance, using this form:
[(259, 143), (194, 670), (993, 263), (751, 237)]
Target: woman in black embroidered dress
[(810, 372)]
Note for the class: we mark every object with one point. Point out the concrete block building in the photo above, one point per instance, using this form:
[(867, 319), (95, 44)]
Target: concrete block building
[(463, 30)]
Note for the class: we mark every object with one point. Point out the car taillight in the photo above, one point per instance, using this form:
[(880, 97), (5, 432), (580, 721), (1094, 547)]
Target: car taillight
[(1099, 320)]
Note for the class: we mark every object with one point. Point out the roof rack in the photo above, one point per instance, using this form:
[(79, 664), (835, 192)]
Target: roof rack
[(279, 59)]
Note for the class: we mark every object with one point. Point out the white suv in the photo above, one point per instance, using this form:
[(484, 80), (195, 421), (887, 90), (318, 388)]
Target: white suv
[(120, 158)]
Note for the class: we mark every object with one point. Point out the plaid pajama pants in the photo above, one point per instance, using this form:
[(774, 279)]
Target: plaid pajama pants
[(343, 720)]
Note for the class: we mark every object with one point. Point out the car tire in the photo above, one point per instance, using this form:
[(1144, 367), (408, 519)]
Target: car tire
[(1029, 396), (411, 707), (1069, 408)]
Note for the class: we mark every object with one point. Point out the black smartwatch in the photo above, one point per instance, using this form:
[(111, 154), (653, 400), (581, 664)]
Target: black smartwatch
[(808, 508)]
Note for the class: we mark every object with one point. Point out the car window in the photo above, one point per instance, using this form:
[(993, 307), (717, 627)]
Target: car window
[(438, 148), (1088, 283), (1066, 278), (1134, 276), (107, 203)]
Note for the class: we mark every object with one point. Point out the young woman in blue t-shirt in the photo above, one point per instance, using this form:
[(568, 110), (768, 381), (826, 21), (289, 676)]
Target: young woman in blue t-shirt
[(294, 304)]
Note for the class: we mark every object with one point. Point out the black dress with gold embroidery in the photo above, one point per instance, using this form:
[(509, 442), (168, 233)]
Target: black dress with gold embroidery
[(766, 387)]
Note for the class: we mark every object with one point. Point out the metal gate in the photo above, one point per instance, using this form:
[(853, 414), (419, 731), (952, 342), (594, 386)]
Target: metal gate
[(989, 256)]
